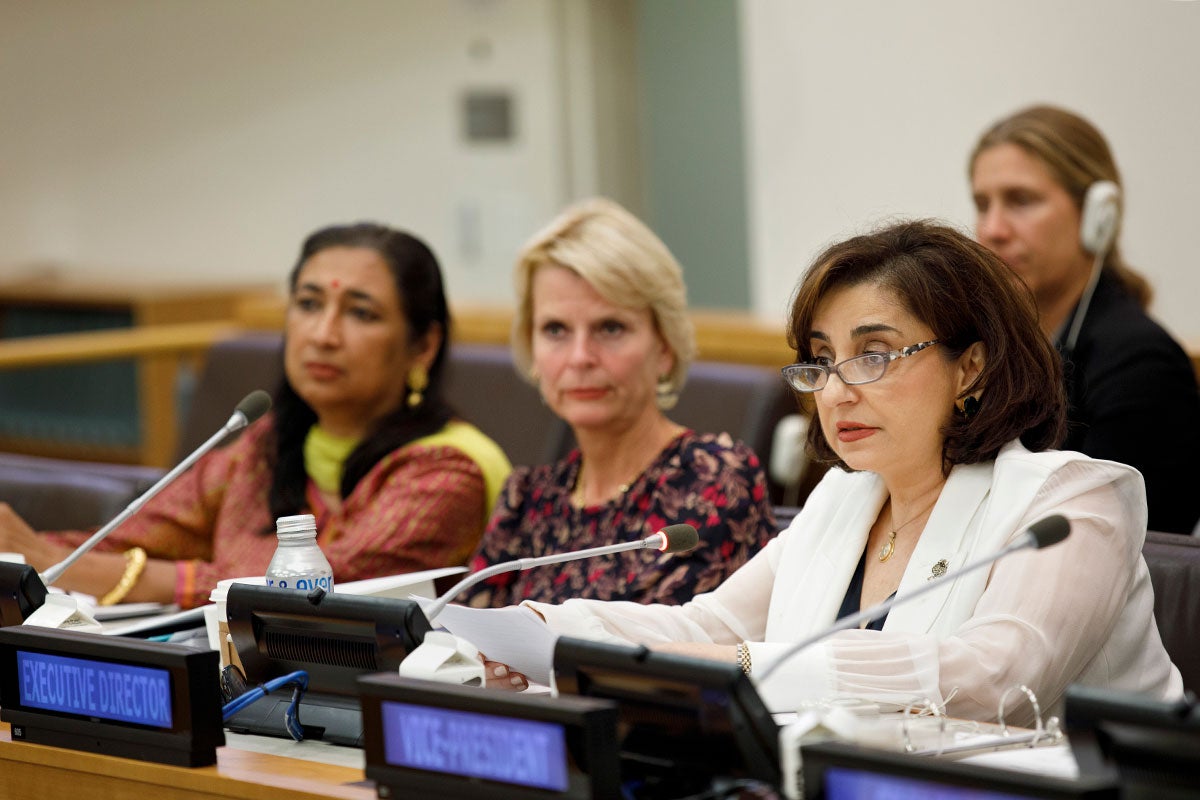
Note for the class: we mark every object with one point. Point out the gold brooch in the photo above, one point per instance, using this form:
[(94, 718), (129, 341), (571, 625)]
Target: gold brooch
[(939, 569)]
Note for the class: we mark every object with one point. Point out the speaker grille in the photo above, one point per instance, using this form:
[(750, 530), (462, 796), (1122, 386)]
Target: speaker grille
[(320, 650)]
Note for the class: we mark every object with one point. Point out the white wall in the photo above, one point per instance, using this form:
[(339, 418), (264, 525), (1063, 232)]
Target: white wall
[(862, 109), (200, 141)]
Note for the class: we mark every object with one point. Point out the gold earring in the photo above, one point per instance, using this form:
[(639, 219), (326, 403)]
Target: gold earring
[(666, 393), (969, 406), (418, 379)]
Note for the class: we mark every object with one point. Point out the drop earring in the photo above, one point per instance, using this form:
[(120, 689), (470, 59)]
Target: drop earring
[(969, 406), (418, 380), (666, 393)]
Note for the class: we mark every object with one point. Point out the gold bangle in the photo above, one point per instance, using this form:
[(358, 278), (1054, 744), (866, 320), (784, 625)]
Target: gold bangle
[(743, 657), (135, 562)]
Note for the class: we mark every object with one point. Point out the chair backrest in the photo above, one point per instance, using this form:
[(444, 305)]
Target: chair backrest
[(747, 402), (1174, 563), (57, 495), (784, 516), (232, 369), (482, 384)]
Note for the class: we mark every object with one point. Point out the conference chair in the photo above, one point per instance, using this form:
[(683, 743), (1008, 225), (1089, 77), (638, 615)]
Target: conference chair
[(1174, 563), (232, 369), (58, 494), (749, 403)]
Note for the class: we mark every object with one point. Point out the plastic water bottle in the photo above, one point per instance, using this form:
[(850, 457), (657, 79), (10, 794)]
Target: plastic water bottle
[(298, 562)]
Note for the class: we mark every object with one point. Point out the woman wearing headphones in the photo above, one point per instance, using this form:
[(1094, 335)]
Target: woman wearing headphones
[(1047, 195)]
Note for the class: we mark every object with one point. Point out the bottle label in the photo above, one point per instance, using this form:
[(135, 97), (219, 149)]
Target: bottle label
[(302, 583)]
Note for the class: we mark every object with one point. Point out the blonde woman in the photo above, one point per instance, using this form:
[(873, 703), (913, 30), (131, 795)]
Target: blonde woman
[(602, 330)]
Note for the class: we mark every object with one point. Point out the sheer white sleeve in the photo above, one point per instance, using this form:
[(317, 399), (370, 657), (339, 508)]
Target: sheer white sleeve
[(735, 611), (1042, 617)]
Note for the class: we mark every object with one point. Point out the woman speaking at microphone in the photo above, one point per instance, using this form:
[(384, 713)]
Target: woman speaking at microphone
[(939, 402), (360, 436)]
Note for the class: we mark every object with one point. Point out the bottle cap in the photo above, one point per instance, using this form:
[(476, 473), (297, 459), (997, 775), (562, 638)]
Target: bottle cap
[(298, 524)]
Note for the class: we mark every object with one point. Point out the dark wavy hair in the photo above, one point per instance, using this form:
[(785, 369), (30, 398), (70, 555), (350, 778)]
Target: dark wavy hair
[(965, 294), (423, 301)]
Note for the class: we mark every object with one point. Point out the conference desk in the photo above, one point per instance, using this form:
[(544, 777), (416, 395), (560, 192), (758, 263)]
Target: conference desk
[(37, 771)]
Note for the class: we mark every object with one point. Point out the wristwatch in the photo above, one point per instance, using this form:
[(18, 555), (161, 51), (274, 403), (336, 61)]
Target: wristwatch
[(743, 657)]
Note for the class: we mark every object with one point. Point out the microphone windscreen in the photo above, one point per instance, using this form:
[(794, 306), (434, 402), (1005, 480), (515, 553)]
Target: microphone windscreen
[(254, 405), (680, 538), (1048, 531)]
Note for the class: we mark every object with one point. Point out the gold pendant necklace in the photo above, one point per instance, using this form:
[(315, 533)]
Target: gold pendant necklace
[(889, 547)]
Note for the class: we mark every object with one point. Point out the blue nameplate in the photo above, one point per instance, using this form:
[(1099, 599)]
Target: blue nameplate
[(146, 700), (426, 739)]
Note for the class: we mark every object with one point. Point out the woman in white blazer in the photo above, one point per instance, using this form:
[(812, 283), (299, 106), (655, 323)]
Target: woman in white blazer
[(939, 402)]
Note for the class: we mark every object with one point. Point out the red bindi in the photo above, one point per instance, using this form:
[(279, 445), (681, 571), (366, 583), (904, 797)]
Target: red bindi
[(335, 283)]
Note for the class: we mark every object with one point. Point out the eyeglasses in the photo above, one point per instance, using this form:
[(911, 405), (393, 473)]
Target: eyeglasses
[(867, 368)]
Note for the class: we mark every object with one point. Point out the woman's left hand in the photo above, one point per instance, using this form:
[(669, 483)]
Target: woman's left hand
[(500, 676), (712, 652)]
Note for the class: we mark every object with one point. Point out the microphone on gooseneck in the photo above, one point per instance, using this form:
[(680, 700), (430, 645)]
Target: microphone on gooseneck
[(671, 539), (252, 406), (1043, 533)]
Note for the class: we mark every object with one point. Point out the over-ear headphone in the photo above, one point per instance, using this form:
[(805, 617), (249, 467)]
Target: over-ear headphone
[(1100, 217), (1098, 225)]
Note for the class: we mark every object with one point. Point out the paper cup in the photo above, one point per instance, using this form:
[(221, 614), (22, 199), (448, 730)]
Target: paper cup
[(210, 624), (217, 623)]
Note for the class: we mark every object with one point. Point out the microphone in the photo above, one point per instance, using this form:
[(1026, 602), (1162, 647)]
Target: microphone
[(671, 539), (1043, 533), (252, 406)]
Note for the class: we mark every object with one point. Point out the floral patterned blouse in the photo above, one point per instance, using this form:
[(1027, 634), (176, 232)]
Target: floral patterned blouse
[(708, 481)]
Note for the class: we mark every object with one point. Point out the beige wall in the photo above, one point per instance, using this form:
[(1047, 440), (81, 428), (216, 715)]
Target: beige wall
[(863, 109), (199, 141)]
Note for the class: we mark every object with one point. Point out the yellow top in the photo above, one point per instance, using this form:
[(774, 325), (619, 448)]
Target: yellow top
[(325, 455)]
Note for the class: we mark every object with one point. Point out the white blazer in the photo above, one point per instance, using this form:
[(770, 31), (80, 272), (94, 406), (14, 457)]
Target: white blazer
[(1080, 611)]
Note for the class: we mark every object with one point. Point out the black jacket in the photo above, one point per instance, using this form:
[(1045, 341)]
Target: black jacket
[(1133, 398)]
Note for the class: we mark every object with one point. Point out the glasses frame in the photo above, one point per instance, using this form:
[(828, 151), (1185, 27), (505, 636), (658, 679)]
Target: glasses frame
[(792, 370)]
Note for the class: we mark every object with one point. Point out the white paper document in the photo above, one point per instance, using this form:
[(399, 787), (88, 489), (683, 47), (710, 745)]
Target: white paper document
[(123, 611), (410, 583), (1055, 760), (515, 636)]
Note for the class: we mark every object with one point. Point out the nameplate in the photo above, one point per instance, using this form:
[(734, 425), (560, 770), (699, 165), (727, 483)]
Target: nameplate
[(150, 701), (427, 739)]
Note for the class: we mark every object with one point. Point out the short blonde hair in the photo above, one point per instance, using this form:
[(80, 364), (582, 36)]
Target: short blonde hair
[(624, 262)]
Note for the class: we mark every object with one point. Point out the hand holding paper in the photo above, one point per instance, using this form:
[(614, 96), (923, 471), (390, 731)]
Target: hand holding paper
[(515, 636)]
